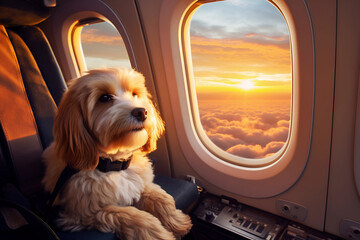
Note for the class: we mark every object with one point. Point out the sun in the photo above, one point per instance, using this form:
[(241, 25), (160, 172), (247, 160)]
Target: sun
[(246, 85)]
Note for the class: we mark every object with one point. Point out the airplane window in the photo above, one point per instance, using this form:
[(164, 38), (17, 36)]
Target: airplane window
[(242, 70), (103, 46)]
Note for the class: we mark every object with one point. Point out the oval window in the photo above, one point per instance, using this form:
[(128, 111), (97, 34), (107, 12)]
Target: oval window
[(242, 70)]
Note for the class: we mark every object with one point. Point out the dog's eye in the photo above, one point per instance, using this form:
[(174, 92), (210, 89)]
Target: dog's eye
[(134, 94), (106, 98)]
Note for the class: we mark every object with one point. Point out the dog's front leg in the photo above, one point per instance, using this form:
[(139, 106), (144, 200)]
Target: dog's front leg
[(160, 204), (131, 223)]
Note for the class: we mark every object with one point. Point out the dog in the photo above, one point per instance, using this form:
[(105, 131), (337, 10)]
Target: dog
[(108, 114)]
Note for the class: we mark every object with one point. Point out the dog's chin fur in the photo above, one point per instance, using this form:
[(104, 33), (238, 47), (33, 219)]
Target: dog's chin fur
[(125, 202), (127, 142)]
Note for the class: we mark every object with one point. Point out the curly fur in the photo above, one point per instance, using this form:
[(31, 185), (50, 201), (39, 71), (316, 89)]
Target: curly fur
[(125, 202)]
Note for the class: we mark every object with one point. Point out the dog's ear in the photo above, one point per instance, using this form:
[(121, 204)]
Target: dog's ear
[(154, 133), (73, 142)]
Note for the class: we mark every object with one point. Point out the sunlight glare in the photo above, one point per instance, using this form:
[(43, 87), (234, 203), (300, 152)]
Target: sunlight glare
[(246, 85)]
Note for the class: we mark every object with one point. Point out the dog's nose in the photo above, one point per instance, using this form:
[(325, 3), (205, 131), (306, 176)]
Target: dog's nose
[(139, 113)]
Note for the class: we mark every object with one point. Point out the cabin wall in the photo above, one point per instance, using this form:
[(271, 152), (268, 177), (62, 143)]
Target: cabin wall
[(343, 198)]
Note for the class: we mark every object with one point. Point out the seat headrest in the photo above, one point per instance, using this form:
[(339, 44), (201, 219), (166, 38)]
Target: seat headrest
[(22, 12)]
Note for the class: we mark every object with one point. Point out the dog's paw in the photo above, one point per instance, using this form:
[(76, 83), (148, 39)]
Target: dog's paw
[(147, 228), (178, 223), (150, 232), (158, 231)]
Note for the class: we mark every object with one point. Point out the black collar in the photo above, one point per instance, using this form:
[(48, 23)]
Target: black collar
[(106, 165)]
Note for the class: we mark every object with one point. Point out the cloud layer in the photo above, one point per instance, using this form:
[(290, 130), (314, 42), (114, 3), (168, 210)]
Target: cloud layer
[(255, 130)]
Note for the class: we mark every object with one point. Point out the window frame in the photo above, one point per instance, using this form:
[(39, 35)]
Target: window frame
[(206, 141), (266, 179)]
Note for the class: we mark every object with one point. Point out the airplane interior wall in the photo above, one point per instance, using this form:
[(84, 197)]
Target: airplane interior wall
[(343, 199)]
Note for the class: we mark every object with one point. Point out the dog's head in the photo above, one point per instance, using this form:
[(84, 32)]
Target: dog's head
[(107, 111)]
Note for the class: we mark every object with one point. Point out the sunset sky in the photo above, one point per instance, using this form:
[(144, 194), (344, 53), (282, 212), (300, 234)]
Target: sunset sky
[(242, 44), (242, 70), (241, 59), (103, 46)]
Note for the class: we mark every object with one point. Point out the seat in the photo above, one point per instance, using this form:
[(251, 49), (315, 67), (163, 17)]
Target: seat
[(31, 86)]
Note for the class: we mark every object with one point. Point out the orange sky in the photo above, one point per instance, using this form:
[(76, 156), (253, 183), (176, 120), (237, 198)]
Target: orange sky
[(232, 64)]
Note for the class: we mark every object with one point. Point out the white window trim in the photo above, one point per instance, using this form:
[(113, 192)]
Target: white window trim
[(286, 166)]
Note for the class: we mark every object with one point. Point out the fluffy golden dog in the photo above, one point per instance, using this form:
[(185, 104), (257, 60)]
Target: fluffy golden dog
[(108, 113)]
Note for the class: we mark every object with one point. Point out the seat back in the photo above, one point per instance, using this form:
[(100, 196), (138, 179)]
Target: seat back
[(31, 85)]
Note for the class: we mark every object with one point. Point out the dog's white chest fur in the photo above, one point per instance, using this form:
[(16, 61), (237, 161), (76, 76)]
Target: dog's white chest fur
[(122, 188), (128, 186)]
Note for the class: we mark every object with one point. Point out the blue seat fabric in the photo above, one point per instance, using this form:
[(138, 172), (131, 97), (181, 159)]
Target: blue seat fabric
[(184, 193)]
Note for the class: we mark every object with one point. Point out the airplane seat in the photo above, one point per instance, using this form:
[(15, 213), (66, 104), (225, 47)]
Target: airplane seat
[(31, 86)]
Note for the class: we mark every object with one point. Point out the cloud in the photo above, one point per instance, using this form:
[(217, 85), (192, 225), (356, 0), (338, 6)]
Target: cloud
[(254, 135), (256, 151), (281, 40), (263, 34), (213, 122), (237, 60), (93, 36), (254, 21), (250, 130), (283, 123), (103, 46), (223, 141), (104, 51), (200, 28), (103, 33)]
